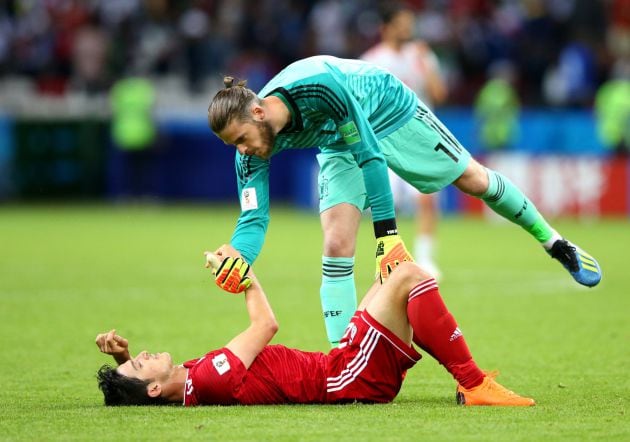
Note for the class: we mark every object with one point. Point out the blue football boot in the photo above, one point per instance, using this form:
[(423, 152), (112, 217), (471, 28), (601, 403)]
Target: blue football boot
[(582, 266)]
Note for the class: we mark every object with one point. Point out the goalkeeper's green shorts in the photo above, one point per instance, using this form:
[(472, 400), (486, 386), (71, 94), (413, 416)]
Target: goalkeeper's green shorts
[(423, 152), (340, 181)]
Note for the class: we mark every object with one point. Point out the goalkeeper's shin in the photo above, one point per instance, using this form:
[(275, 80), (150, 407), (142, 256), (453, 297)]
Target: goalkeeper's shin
[(338, 296)]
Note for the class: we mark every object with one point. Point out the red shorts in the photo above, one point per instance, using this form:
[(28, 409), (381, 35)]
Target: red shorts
[(370, 363)]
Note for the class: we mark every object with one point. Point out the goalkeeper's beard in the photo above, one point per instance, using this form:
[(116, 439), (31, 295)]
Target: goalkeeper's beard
[(267, 136)]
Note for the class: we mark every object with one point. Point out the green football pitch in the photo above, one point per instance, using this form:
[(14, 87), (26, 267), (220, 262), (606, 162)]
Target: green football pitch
[(68, 272)]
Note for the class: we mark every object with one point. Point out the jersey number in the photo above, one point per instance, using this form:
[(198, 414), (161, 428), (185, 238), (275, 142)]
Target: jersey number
[(447, 151)]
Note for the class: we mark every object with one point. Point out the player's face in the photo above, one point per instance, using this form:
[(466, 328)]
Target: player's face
[(147, 366), (250, 137), (402, 26)]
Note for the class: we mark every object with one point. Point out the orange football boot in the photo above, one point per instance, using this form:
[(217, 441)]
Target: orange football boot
[(490, 392)]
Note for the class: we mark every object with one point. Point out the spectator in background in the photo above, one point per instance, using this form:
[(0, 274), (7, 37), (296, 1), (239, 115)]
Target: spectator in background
[(134, 130), (132, 101), (612, 102), (158, 43), (612, 107), (538, 42), (33, 46), (254, 65), (328, 23), (497, 107), (472, 27), (89, 61), (194, 26), (618, 39), (195, 39), (5, 41), (416, 65)]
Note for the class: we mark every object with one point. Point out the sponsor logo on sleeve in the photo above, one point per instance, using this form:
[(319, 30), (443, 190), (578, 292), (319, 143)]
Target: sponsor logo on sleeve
[(221, 364), (249, 201), (349, 133)]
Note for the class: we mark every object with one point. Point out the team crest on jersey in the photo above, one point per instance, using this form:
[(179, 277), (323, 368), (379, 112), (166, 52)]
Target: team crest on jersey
[(221, 364), (249, 201)]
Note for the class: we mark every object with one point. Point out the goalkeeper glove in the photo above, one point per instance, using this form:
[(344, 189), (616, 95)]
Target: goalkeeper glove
[(231, 275), (390, 251)]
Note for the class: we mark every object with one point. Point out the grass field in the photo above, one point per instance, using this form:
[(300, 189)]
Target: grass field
[(69, 272)]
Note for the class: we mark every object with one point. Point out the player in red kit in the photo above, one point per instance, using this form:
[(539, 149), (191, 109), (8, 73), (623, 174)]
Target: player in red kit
[(368, 365)]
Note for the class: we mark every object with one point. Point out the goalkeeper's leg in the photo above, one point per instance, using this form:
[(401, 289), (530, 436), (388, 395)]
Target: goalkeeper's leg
[(340, 224), (338, 295), (507, 200)]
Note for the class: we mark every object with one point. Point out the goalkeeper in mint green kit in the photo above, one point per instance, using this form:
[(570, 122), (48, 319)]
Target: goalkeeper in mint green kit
[(363, 119)]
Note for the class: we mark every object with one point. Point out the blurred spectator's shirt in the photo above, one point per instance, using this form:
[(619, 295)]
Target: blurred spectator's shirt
[(335, 105), (411, 64)]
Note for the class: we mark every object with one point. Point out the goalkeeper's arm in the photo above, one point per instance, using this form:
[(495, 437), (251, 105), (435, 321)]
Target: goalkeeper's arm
[(357, 132), (390, 248)]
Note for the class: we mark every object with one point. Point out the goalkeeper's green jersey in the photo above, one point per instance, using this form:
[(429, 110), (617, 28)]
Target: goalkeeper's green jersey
[(335, 104)]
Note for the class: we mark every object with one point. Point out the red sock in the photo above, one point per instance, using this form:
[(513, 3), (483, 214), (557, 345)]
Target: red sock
[(436, 332)]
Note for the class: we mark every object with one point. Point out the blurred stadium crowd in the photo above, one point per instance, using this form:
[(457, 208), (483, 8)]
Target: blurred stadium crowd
[(560, 50)]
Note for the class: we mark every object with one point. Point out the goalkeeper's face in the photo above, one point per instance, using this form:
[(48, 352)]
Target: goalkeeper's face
[(250, 137)]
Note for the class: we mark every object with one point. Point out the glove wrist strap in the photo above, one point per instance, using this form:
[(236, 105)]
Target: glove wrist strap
[(385, 227)]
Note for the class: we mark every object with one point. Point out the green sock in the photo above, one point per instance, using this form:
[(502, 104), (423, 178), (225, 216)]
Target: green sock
[(338, 295), (508, 201)]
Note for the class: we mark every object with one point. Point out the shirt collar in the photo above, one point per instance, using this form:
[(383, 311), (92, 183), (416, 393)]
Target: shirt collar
[(295, 124)]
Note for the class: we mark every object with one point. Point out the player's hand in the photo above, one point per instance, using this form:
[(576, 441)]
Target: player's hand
[(112, 344), (390, 251), (231, 273), (227, 250)]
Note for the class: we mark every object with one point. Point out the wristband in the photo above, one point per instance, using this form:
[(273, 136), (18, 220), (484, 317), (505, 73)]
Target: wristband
[(385, 227)]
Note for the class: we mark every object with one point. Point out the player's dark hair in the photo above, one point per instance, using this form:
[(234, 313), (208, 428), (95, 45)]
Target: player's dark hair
[(388, 10), (232, 102), (123, 390)]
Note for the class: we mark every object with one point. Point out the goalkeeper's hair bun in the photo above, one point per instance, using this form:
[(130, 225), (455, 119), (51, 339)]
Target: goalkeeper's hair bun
[(234, 101), (228, 82)]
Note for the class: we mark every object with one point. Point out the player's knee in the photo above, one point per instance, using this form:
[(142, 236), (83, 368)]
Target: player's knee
[(411, 274), (474, 180), (338, 246)]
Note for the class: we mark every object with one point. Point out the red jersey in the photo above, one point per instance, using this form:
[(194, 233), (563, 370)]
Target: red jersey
[(368, 366)]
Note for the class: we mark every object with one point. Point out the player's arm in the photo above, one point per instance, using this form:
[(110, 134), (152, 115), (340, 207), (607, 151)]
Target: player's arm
[(112, 344), (435, 84), (358, 135), (262, 322), (253, 190)]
